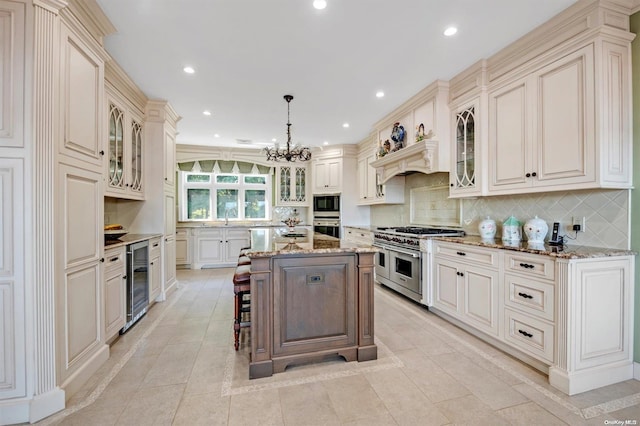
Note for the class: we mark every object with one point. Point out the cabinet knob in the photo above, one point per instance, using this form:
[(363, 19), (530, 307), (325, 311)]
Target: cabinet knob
[(451, 185), (102, 259), (528, 175), (534, 174), (101, 152), (124, 277)]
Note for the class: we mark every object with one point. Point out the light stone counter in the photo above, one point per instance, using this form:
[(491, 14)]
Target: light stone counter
[(563, 252)]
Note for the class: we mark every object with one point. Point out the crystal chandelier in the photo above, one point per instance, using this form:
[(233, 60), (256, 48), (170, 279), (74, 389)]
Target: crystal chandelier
[(294, 153)]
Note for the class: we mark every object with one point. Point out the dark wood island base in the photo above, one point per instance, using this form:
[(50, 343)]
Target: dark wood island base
[(310, 305)]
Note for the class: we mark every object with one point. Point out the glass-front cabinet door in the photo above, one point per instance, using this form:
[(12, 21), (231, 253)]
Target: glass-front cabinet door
[(292, 185), (464, 173), (136, 157), (116, 147)]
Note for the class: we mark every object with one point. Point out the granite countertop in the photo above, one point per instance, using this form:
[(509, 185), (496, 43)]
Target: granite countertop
[(128, 239), (562, 252), (267, 242)]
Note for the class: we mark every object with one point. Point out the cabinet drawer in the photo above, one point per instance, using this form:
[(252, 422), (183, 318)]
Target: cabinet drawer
[(182, 233), (530, 296), (154, 247), (208, 233), (468, 254), (359, 236), (530, 335), (235, 233), (531, 265), (115, 259)]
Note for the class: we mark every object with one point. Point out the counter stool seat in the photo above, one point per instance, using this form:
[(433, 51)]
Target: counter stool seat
[(241, 288)]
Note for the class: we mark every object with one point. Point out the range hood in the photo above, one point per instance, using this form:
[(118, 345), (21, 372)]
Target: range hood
[(419, 157)]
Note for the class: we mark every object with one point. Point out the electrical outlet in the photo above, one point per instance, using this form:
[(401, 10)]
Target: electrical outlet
[(581, 221)]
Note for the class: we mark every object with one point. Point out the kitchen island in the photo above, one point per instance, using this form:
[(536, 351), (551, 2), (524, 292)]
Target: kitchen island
[(311, 298)]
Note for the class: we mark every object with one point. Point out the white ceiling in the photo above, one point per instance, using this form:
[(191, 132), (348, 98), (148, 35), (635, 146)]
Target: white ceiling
[(249, 53)]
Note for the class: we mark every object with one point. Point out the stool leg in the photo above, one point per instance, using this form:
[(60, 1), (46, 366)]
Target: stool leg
[(236, 317)]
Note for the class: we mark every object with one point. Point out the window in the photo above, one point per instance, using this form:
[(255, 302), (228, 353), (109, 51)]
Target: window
[(224, 196)]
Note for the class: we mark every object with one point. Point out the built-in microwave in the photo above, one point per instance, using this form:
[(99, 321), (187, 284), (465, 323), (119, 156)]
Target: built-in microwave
[(326, 204)]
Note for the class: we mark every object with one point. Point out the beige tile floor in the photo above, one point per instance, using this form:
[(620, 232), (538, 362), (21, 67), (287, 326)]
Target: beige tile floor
[(177, 366)]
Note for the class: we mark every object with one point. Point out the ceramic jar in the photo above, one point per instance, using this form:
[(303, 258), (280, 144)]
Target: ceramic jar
[(536, 230), (511, 230), (487, 228)]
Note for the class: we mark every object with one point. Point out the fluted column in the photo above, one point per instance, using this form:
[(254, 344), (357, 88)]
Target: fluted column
[(45, 140)]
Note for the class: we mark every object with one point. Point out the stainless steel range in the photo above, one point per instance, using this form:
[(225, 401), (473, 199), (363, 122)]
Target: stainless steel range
[(399, 263)]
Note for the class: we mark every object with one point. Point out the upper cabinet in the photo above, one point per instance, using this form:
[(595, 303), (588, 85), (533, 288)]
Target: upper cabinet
[(559, 107), (124, 162), (291, 184), (327, 176), (468, 147), (124, 159)]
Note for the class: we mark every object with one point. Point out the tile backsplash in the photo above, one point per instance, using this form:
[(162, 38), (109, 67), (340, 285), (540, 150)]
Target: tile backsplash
[(606, 211)]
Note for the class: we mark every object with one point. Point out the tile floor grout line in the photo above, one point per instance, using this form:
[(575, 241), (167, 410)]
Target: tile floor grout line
[(227, 389), (585, 413), (102, 385)]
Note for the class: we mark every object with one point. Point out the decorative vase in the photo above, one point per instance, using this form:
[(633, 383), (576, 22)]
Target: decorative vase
[(511, 230), (536, 230), (487, 228)]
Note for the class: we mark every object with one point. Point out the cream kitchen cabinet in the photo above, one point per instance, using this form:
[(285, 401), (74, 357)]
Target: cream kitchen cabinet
[(371, 190), (218, 247), (155, 269), (183, 247), (124, 158), (292, 188), (327, 176), (466, 285), (529, 300), (358, 236), (548, 130), (570, 317), (115, 283)]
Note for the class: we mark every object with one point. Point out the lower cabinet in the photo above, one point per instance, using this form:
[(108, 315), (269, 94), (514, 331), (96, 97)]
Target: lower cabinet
[(115, 287), (572, 318), (169, 263), (467, 291), (218, 247), (358, 236), (155, 269), (183, 247)]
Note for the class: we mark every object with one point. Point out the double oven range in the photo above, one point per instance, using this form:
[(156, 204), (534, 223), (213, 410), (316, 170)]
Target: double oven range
[(399, 263)]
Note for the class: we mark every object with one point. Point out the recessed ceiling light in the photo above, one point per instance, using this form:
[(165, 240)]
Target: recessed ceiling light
[(345, 125), (380, 94), (325, 143), (274, 140), (319, 4), (188, 70), (206, 112), (450, 31), (216, 135)]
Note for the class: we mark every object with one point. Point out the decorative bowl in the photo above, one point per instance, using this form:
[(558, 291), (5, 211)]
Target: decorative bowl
[(114, 234)]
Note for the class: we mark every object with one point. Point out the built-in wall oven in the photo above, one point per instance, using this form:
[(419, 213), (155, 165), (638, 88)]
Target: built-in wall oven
[(398, 263), (137, 282), (326, 215)]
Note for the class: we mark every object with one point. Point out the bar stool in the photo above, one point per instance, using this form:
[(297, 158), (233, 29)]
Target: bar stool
[(241, 288)]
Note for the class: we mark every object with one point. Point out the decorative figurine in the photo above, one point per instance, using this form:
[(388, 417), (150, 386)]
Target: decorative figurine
[(382, 151), (387, 147), (420, 132), (397, 136)]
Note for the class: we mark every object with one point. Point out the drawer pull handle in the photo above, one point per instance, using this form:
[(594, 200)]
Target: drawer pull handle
[(525, 295), (461, 253), (525, 334), (113, 259), (156, 245), (526, 265)]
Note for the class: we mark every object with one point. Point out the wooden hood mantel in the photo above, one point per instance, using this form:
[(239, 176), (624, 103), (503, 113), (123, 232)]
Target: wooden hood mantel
[(419, 157)]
